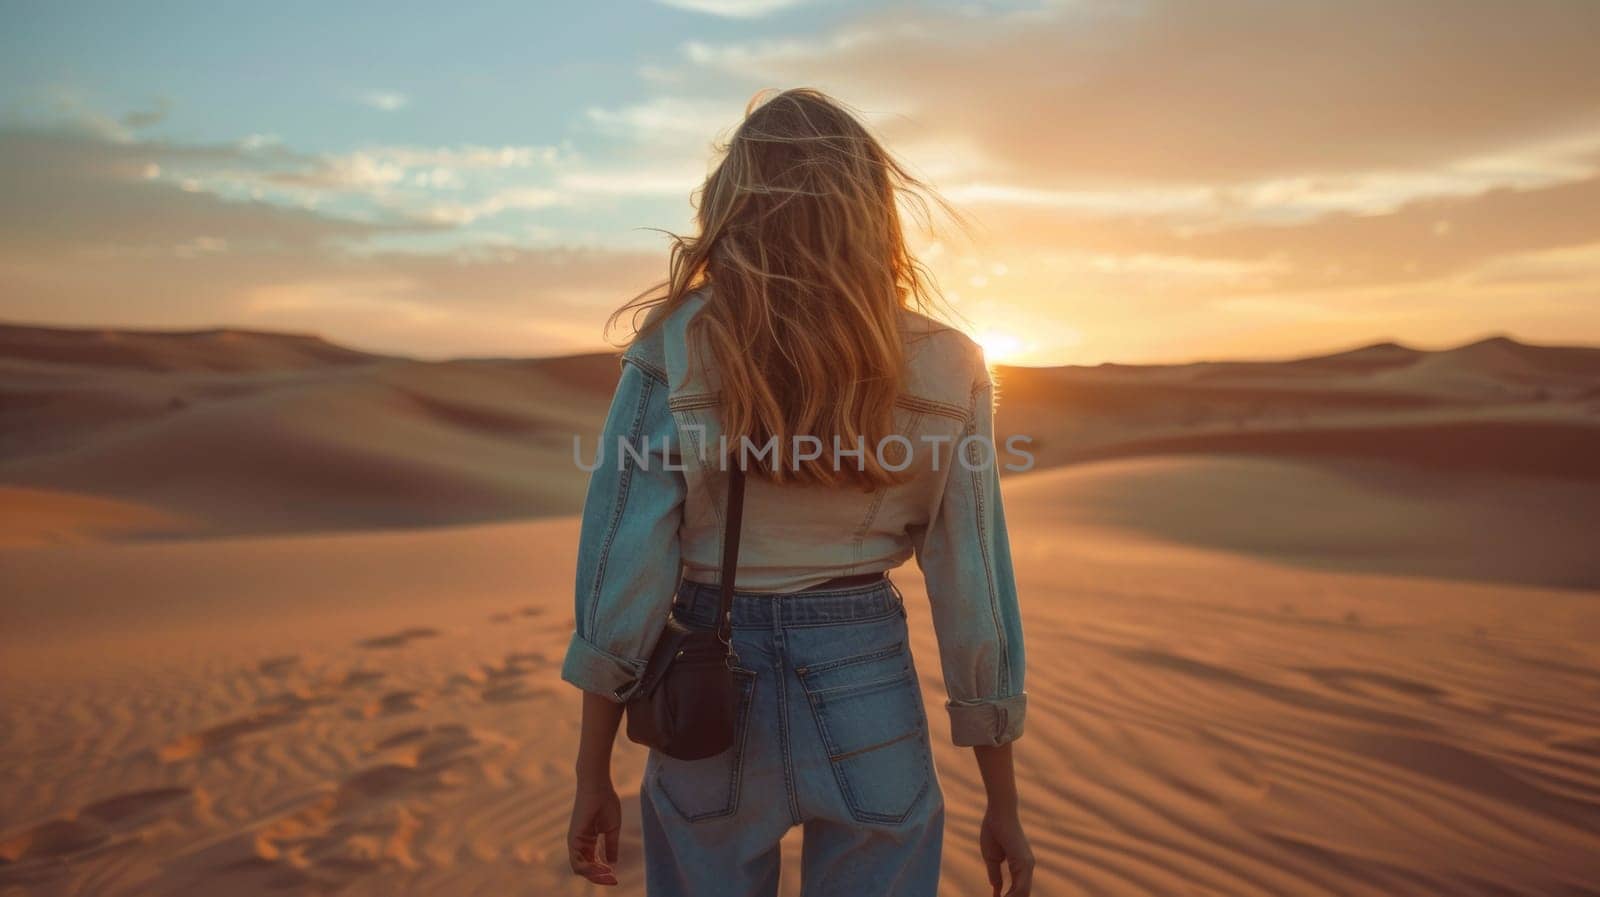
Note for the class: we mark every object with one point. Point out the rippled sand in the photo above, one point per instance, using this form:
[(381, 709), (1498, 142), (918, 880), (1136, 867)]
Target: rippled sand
[(381, 714), (1318, 626)]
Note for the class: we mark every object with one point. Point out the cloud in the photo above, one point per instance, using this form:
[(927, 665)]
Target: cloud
[(147, 118), (456, 213), (1130, 284), (1225, 91), (60, 187), (692, 122), (383, 100), (733, 9), (638, 182), (449, 185), (1108, 202), (70, 109), (1564, 268), (515, 301), (1422, 239), (91, 159), (1149, 180), (1165, 157), (1289, 199), (87, 237), (385, 166)]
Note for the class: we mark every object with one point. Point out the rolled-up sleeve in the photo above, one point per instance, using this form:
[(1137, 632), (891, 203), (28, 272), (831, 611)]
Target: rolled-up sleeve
[(628, 550), (965, 556)]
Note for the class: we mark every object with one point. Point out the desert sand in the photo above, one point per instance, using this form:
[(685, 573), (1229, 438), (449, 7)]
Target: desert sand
[(281, 617)]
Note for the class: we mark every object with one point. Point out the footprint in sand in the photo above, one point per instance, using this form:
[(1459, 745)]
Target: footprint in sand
[(504, 682), (428, 758), (509, 670), (399, 639), (488, 675), (394, 703), (330, 840), (54, 839), (136, 807), (1375, 684), (322, 846), (514, 691), (225, 734), (383, 781), (327, 840), (278, 667), (295, 700), (94, 825), (506, 616), (359, 825), (427, 745), (360, 678)]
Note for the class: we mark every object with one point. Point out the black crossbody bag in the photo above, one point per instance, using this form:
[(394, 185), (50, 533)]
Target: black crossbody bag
[(687, 702)]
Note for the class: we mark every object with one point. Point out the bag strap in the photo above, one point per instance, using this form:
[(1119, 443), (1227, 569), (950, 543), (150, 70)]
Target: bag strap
[(734, 519)]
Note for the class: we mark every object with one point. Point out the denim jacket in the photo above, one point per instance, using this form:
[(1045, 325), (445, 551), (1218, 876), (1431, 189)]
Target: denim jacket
[(654, 513)]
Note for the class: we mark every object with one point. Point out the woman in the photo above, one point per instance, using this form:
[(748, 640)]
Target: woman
[(789, 325)]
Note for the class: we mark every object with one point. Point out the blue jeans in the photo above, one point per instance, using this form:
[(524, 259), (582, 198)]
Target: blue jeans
[(832, 736)]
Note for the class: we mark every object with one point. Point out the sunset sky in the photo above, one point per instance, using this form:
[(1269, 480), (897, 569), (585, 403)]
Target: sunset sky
[(1147, 180)]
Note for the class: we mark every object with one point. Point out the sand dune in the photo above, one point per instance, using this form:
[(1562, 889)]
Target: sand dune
[(32, 517), (235, 432), (380, 714), (1495, 405), (220, 350), (276, 618), (1345, 515), (298, 436)]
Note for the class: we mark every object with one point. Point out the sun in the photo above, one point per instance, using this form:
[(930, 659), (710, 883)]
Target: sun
[(999, 346)]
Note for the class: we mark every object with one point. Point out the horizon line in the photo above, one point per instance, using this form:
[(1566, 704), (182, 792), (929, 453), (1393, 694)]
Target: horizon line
[(1377, 342)]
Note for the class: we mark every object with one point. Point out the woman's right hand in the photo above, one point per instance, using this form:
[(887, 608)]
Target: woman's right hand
[(1003, 843)]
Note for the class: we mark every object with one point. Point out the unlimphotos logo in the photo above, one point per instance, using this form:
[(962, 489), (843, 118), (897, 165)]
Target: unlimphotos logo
[(893, 452)]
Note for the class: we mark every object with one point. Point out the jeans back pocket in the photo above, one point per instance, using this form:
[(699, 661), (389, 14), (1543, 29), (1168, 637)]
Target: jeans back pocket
[(709, 788), (871, 720)]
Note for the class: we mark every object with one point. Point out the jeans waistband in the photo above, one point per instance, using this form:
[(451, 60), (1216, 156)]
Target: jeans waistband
[(696, 603)]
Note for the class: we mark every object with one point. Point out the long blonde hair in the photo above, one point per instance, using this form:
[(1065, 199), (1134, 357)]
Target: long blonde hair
[(801, 245)]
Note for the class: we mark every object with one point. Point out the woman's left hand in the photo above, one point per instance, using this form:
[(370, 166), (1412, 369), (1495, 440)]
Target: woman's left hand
[(596, 814)]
